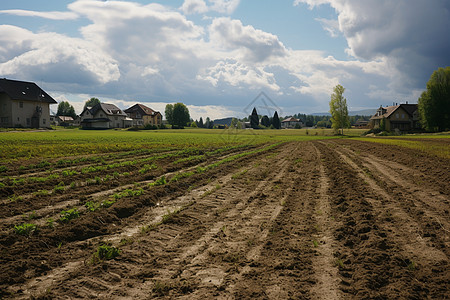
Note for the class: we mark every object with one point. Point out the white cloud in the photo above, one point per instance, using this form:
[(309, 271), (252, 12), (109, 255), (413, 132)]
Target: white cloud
[(240, 75), (52, 15), (194, 7), (224, 6), (250, 44), (55, 56), (329, 25)]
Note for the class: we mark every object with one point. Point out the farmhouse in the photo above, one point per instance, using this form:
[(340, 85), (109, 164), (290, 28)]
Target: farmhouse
[(104, 116), (24, 104), (291, 123), (143, 115), (404, 117)]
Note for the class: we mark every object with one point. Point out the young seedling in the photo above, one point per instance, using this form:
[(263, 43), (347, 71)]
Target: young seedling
[(25, 229), (105, 252)]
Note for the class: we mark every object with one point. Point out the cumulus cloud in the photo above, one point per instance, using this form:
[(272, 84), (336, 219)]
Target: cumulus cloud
[(57, 57), (194, 7), (250, 44), (414, 35), (240, 75)]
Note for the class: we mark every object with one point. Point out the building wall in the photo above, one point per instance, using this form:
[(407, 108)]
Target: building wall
[(5, 111), (20, 113)]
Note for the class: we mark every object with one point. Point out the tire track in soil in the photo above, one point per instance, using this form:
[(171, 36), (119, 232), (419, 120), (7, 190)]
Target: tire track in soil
[(324, 264), (41, 284), (378, 259), (423, 205)]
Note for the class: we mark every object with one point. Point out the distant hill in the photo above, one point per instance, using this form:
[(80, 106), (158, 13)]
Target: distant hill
[(364, 112), (225, 121)]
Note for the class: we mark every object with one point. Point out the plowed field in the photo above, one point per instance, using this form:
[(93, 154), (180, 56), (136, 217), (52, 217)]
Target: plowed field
[(330, 219)]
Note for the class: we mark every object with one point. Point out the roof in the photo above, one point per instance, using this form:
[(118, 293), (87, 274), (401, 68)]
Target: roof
[(144, 110), (23, 90), (291, 119), (109, 109), (65, 118), (389, 110)]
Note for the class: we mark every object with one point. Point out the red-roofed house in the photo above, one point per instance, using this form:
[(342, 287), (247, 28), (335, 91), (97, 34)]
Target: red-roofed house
[(404, 117), (143, 115)]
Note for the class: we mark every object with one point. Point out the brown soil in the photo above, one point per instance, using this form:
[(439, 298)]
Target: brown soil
[(335, 219)]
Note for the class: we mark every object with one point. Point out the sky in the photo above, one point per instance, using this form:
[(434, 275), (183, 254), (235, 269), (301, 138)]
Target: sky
[(219, 56)]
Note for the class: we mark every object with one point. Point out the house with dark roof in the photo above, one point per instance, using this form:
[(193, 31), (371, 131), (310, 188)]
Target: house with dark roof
[(104, 116), (24, 104), (404, 117), (291, 122), (143, 115)]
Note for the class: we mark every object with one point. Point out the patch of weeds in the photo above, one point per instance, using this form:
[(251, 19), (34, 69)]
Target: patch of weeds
[(161, 288), (147, 168), (105, 252), (339, 263), (128, 193), (14, 198), (2, 185), (32, 215), (3, 169), (59, 188), (160, 181), (167, 218), (50, 223), (67, 215), (25, 229), (412, 265), (283, 202), (179, 176), (217, 187), (124, 242), (147, 228), (237, 175), (315, 243), (299, 160)]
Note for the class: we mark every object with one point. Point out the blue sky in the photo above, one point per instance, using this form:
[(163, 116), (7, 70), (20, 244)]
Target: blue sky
[(216, 56)]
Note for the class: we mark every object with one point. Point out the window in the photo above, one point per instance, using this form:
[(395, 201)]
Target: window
[(116, 118), (4, 120), (18, 119), (403, 116), (397, 115), (43, 121), (28, 121), (21, 104)]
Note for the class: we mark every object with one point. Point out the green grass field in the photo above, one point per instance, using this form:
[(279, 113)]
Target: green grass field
[(24, 145), (20, 145)]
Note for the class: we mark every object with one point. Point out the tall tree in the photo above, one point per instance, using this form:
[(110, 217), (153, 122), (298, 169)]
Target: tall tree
[(276, 121), (200, 123), (91, 102), (168, 112), (65, 109), (180, 115), (265, 121), (434, 103), (338, 109), (254, 119)]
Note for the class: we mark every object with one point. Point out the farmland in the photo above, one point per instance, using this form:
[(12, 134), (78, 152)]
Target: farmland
[(223, 214)]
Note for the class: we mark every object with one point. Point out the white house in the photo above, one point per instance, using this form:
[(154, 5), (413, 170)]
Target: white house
[(104, 116), (24, 104)]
